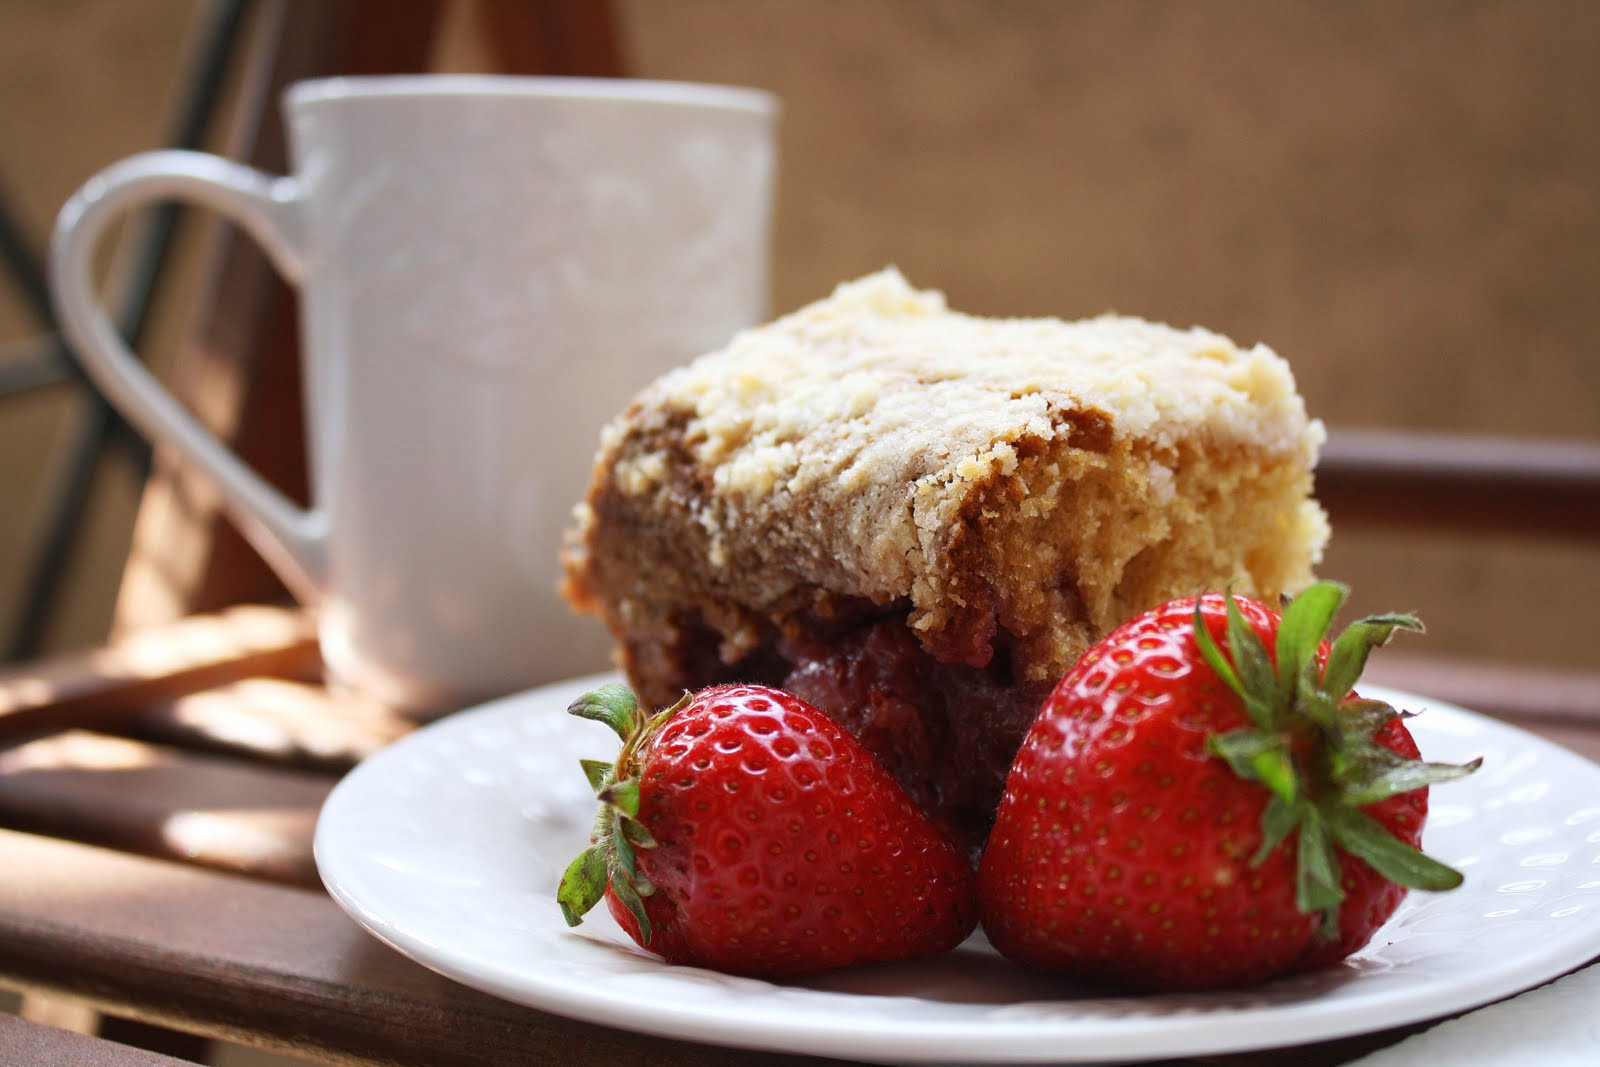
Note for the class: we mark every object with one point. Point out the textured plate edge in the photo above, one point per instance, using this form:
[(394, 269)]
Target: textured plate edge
[(1225, 1031)]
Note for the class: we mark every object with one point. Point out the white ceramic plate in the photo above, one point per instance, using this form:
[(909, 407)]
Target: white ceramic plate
[(448, 846)]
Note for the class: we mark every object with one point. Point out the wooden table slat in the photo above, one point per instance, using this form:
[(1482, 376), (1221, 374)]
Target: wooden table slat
[(273, 720), (24, 1042), (284, 969), (272, 966), (160, 801), (111, 684)]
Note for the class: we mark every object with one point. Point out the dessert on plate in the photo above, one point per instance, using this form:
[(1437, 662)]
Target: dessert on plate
[(918, 519)]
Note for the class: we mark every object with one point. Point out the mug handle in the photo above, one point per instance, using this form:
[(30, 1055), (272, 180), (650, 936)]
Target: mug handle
[(291, 539)]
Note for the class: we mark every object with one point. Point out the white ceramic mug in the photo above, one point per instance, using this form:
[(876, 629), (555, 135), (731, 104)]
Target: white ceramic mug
[(488, 268)]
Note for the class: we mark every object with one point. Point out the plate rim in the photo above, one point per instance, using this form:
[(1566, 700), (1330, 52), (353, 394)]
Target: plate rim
[(1095, 1039)]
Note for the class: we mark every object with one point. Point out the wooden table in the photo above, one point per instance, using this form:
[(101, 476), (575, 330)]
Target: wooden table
[(157, 803)]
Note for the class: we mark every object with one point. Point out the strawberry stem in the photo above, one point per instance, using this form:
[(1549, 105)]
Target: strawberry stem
[(612, 860), (1312, 746)]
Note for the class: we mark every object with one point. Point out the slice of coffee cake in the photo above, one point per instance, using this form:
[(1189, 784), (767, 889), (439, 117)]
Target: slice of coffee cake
[(918, 519)]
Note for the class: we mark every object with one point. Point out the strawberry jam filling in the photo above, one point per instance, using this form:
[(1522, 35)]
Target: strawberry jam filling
[(946, 731)]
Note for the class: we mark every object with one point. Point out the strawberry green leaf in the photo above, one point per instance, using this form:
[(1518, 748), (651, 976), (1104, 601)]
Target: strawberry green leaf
[(1305, 623), (1314, 705), (1361, 835), (1239, 747), (1352, 647), (1314, 747), (626, 837), (1215, 658), (1277, 821), (1363, 718), (582, 885), (1258, 756), (1260, 692), (1317, 886), (597, 771), (1246, 681), (656, 721), (1275, 769), (623, 795), (1363, 762), (1406, 776), (623, 856), (624, 889), (612, 863), (613, 705), (636, 833)]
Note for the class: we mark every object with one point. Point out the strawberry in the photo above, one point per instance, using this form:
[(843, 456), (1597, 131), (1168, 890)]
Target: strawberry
[(743, 830), (1180, 817)]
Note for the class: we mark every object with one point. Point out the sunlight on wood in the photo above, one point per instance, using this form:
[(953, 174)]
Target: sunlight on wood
[(193, 641), (77, 751), (62, 1014), (277, 717), (252, 837), (167, 558), (161, 663), (25, 690)]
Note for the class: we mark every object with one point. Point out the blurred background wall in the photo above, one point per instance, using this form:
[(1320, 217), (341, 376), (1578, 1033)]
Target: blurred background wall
[(1400, 196)]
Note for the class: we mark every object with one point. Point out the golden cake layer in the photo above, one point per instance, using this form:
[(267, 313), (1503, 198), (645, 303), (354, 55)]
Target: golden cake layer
[(1006, 489)]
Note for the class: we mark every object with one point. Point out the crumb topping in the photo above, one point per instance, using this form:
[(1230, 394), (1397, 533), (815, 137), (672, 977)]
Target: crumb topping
[(881, 372), (1022, 484)]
